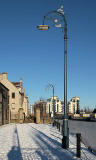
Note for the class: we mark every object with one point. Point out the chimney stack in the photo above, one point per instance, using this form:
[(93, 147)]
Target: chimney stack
[(3, 76)]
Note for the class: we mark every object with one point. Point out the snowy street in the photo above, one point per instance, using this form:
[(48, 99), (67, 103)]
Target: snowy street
[(36, 142)]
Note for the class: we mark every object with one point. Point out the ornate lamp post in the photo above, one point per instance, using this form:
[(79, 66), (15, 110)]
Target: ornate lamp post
[(57, 19), (52, 87)]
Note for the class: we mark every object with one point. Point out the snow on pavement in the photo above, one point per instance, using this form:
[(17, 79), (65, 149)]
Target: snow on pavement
[(36, 142)]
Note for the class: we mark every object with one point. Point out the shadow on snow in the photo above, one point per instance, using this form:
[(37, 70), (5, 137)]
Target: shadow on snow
[(15, 152), (49, 148)]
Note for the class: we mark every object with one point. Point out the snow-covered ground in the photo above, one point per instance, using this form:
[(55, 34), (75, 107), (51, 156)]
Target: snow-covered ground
[(36, 142)]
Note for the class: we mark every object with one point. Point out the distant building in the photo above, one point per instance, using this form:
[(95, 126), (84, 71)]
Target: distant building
[(74, 105), (4, 104), (17, 98), (62, 106), (57, 103), (42, 106), (46, 107), (32, 109), (29, 111)]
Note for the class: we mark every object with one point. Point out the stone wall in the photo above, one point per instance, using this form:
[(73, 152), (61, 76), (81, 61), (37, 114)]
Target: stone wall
[(4, 105)]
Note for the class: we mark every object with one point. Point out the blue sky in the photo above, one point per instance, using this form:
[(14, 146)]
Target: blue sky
[(38, 56)]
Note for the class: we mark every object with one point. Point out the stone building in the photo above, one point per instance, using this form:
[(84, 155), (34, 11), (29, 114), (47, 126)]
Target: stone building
[(25, 105), (4, 105), (24, 99), (42, 106), (17, 98)]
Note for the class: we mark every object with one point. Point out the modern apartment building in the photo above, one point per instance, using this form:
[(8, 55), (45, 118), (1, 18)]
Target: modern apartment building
[(57, 104), (74, 105)]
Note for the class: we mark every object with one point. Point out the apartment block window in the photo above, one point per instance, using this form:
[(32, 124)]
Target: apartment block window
[(13, 95), (57, 108)]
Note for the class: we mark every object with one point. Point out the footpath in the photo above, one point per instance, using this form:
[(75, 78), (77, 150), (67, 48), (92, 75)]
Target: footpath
[(37, 142)]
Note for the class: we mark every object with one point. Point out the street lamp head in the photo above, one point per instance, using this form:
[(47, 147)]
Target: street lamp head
[(51, 86), (60, 10), (43, 27)]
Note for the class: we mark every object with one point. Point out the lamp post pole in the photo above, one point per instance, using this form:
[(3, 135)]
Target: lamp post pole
[(65, 139), (56, 18)]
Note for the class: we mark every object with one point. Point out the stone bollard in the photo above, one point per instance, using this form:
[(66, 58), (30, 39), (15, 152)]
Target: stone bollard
[(37, 115)]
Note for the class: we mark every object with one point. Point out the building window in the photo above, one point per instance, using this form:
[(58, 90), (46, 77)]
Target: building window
[(13, 105), (13, 95)]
